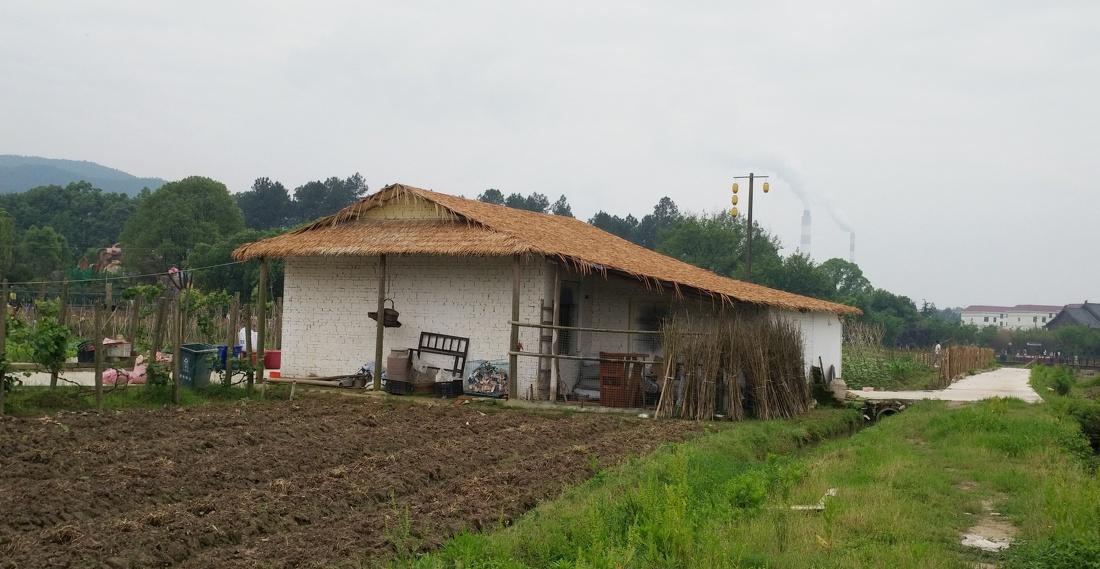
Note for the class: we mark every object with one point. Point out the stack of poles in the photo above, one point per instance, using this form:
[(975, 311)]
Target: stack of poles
[(760, 351)]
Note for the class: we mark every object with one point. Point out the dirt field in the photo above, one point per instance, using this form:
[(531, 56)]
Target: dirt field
[(320, 481)]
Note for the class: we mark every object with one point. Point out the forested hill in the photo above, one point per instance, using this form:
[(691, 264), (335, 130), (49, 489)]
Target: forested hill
[(20, 173)]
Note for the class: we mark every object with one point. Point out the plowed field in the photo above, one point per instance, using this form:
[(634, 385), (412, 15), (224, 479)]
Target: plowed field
[(317, 482)]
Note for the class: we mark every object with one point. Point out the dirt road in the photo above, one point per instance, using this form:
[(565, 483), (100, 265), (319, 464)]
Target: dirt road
[(322, 481)]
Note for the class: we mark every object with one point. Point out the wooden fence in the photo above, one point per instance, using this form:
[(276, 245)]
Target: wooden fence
[(953, 362)]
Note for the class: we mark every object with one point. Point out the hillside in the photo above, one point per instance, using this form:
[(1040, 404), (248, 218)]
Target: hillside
[(20, 173)]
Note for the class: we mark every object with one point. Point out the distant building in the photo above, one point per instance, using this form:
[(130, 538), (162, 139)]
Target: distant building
[(1019, 317), (1084, 314)]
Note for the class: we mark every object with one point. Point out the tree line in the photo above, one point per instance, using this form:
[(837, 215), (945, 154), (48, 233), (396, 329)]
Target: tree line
[(196, 222)]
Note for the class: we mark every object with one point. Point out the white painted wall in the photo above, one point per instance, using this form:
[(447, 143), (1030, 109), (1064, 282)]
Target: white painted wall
[(326, 330)]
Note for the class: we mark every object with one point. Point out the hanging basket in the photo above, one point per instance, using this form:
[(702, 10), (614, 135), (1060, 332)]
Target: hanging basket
[(389, 315)]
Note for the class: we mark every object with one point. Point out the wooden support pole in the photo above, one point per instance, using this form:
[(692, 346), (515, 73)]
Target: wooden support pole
[(250, 378), (158, 328), (63, 318), (231, 338), (513, 342), (109, 297), (582, 358), (279, 323), (177, 344), (261, 321), (132, 332), (3, 341), (379, 328), (98, 323), (555, 368)]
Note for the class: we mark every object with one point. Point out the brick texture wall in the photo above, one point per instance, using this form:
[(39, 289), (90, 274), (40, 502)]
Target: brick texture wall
[(326, 330)]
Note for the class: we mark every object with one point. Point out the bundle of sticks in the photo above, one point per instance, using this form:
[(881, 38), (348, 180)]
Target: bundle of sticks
[(740, 365)]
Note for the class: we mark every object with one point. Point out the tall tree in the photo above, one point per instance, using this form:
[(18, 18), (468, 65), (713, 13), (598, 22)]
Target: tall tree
[(625, 227), (320, 198), (534, 202), (171, 221), (491, 195), (665, 215), (7, 243), (41, 253), (848, 282), (798, 274), (87, 217), (241, 277), (562, 207), (266, 205)]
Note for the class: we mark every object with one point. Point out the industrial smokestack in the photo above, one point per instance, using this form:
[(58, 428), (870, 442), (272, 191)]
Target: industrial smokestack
[(852, 246), (805, 247)]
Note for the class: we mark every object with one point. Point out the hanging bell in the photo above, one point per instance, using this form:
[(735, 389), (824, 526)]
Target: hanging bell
[(766, 188)]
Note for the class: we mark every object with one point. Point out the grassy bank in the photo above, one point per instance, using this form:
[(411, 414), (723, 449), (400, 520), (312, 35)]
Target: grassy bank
[(907, 489), (878, 368), (30, 401)]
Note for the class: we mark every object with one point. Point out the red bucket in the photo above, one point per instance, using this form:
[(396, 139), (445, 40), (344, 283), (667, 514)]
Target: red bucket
[(273, 359)]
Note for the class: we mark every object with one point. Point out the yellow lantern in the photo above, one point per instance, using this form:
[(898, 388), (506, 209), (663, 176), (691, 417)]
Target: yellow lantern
[(735, 188), (733, 210), (733, 199), (766, 188)]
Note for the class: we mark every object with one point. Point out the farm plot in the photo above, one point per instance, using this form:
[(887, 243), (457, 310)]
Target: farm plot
[(316, 482)]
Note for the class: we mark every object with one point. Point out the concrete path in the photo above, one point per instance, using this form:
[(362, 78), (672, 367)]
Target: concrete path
[(1003, 382)]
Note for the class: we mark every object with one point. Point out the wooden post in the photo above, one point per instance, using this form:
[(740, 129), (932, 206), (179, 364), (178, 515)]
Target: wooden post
[(109, 297), (98, 320), (231, 338), (513, 360), (279, 323), (250, 376), (555, 368), (177, 365), (158, 328), (135, 315), (261, 321), (63, 317), (379, 328), (3, 341)]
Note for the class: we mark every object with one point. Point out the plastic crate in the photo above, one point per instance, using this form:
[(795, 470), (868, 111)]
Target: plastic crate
[(449, 389), (395, 387)]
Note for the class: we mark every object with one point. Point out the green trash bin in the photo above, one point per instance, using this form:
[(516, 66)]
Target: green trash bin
[(196, 363)]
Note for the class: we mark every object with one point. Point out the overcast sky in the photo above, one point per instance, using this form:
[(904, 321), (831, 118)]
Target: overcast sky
[(960, 139)]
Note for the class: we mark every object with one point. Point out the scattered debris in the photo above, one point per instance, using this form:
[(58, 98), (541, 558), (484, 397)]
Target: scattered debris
[(819, 506), (992, 532)]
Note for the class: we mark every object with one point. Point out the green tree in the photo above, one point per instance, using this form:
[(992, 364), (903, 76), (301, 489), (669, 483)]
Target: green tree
[(41, 252), (87, 217), (7, 243), (266, 206), (48, 339), (562, 207), (798, 274), (625, 227), (320, 198), (534, 202), (846, 279), (240, 278), (665, 215), (491, 195), (171, 221)]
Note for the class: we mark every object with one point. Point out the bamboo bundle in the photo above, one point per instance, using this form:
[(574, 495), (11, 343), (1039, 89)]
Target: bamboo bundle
[(709, 360)]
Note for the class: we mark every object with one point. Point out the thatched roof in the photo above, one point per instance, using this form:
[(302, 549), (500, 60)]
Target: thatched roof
[(472, 228)]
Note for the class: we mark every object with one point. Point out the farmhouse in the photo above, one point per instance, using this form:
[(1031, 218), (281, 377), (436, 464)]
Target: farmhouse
[(458, 267)]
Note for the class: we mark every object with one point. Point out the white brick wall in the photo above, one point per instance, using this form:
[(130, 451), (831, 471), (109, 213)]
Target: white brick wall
[(326, 330)]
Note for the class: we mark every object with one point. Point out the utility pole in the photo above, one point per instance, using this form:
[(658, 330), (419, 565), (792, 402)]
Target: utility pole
[(733, 211)]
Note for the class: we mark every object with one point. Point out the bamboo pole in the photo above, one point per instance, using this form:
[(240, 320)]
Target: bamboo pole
[(379, 326), (513, 343), (3, 342), (177, 365), (132, 332), (585, 329), (261, 321), (231, 338), (250, 377), (555, 368), (158, 328), (63, 317), (581, 358), (99, 357)]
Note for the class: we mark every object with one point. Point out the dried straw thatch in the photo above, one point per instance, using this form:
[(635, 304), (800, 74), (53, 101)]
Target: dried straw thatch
[(459, 226)]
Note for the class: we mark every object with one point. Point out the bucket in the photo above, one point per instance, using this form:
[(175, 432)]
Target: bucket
[(273, 359)]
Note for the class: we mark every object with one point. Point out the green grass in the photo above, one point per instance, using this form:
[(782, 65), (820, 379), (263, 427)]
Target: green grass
[(30, 401), (907, 489), (876, 368)]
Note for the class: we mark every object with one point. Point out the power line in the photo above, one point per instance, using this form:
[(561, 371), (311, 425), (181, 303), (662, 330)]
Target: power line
[(124, 277)]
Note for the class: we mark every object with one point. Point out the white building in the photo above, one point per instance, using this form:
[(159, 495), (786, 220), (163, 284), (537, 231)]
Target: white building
[(1019, 317), (452, 266)]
